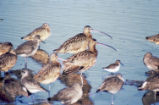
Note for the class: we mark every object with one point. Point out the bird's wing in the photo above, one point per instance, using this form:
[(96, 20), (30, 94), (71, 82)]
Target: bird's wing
[(26, 47)]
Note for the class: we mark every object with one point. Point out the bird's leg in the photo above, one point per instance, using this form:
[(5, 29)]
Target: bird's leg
[(112, 99), (25, 62), (81, 79), (154, 97)]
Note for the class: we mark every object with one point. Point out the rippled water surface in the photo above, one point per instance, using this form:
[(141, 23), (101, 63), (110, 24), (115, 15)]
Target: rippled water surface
[(128, 21)]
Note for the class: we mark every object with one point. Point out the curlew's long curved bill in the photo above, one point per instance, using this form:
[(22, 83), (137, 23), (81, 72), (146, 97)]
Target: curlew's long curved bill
[(102, 33), (107, 46)]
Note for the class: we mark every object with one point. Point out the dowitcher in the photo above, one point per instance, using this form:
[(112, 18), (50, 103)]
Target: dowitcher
[(114, 67), (43, 31), (152, 84), (112, 84), (49, 72), (68, 95), (7, 61), (28, 48), (5, 47), (78, 43), (41, 57), (151, 61), (154, 38)]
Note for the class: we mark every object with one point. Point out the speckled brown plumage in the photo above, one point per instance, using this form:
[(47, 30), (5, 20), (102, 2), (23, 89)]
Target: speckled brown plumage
[(5, 47), (41, 57), (68, 95), (77, 43), (7, 61), (151, 61), (81, 61), (49, 72), (154, 38), (112, 84), (43, 31)]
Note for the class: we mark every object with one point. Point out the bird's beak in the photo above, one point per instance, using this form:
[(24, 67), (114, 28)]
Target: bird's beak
[(107, 46), (96, 31)]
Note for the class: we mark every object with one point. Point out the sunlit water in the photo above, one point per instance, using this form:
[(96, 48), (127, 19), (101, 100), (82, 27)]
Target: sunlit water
[(128, 21)]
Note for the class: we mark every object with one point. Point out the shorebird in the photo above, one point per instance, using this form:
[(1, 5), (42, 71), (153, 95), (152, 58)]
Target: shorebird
[(112, 84), (68, 95), (5, 47), (154, 38), (13, 87), (73, 78), (151, 62), (148, 98), (7, 61), (43, 31), (41, 57), (78, 43), (49, 72), (29, 83), (28, 48), (81, 61), (114, 67), (152, 84)]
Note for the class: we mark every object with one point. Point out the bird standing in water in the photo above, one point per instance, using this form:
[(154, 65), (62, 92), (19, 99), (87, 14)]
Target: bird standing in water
[(78, 43), (49, 72), (43, 31), (68, 95), (151, 61), (28, 48), (13, 87), (113, 67), (5, 47), (30, 84), (8, 60), (81, 61), (151, 84), (112, 84)]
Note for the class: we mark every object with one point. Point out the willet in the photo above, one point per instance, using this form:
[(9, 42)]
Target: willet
[(112, 84), (151, 61), (5, 47), (154, 38), (28, 48), (78, 43), (68, 95), (41, 57), (43, 31), (114, 67), (49, 72), (30, 84)]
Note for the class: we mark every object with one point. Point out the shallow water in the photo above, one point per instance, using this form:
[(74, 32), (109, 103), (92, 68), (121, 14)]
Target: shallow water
[(128, 21)]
